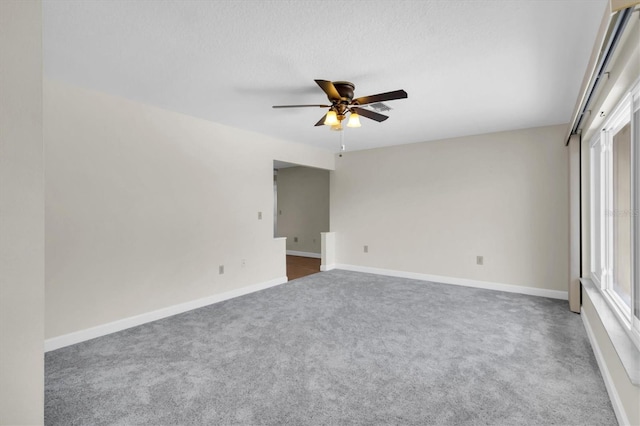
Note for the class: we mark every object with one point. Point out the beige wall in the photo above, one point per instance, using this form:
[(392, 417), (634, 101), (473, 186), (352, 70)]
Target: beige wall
[(144, 204), (21, 214), (303, 207), (433, 207)]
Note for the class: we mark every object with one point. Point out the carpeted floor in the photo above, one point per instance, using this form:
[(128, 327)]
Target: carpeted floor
[(339, 348)]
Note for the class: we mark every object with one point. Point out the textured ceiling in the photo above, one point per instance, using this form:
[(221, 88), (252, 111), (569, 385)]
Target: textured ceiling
[(469, 67)]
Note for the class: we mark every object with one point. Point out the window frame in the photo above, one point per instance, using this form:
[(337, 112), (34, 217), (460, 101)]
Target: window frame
[(635, 203), (602, 210)]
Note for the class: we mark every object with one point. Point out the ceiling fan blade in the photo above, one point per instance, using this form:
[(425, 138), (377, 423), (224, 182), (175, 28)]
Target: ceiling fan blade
[(301, 106), (329, 89), (321, 122), (381, 97), (369, 114)]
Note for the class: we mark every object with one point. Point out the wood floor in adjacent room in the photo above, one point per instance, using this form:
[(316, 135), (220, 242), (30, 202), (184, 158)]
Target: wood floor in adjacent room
[(298, 266)]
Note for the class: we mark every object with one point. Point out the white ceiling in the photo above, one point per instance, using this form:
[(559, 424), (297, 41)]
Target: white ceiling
[(469, 67)]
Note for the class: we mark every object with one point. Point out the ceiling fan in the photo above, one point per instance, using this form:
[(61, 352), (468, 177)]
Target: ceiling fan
[(340, 94)]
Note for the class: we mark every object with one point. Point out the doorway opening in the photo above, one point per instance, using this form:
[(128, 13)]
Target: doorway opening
[(301, 214)]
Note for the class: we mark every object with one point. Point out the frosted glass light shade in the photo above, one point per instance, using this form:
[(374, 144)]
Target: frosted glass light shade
[(337, 126), (354, 120), (331, 119)]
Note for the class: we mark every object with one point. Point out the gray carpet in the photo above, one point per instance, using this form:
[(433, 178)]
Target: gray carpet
[(339, 348)]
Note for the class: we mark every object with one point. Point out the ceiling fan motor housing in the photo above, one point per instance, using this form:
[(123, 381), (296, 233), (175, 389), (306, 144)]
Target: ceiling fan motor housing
[(345, 89)]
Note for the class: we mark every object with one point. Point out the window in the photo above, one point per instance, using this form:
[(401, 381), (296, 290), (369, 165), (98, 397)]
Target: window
[(615, 200), (621, 213)]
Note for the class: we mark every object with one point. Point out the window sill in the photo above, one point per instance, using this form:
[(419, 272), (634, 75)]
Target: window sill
[(625, 348)]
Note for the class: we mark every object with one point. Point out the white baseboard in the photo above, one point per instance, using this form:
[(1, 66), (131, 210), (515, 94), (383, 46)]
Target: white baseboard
[(304, 254), (324, 268), (618, 408), (553, 294), (119, 325)]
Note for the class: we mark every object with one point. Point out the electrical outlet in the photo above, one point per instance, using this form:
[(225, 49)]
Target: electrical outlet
[(480, 260), (259, 215), (366, 249), (295, 239), (243, 263), (220, 269)]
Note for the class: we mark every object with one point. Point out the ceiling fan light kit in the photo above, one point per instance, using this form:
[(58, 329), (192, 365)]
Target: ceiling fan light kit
[(331, 118), (354, 120), (340, 94)]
